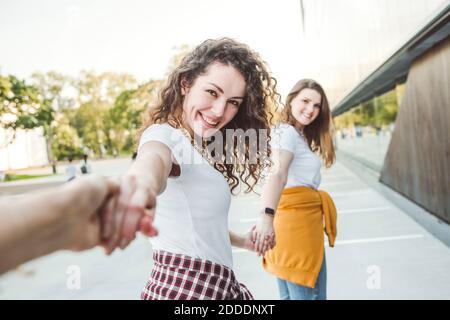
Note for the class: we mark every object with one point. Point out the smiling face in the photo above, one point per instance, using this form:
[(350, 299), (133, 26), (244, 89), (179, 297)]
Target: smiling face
[(213, 99), (305, 107)]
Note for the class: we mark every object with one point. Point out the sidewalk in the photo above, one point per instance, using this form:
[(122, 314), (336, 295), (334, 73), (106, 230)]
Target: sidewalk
[(107, 168), (380, 253)]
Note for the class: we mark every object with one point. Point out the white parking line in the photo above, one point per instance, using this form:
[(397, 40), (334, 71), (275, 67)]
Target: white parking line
[(365, 191), (336, 183), (364, 210), (357, 241), (382, 239), (337, 177)]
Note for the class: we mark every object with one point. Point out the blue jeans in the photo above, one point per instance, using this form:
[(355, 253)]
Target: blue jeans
[(293, 291)]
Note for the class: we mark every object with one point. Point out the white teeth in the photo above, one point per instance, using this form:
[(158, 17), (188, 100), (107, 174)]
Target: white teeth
[(209, 120), (306, 116)]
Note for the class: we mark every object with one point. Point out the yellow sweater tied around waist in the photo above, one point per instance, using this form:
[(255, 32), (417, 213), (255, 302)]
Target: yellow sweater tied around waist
[(299, 229)]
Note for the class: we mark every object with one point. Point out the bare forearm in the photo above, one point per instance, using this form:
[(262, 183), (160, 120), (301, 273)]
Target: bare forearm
[(272, 191), (29, 229), (236, 239), (150, 168)]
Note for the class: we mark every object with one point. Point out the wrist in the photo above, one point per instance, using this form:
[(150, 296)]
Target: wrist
[(268, 212), (145, 181)]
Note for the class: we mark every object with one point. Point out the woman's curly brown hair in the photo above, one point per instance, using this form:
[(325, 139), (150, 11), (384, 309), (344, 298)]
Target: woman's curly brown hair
[(255, 112)]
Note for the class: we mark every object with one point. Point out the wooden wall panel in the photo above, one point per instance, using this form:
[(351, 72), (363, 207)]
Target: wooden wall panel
[(417, 163)]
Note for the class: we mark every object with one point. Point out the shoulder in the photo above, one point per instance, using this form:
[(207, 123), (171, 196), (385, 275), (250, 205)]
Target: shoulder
[(163, 133), (167, 135), (284, 128), (284, 131), (159, 128), (284, 137)]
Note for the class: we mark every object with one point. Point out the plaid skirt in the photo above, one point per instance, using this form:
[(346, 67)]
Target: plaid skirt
[(180, 277)]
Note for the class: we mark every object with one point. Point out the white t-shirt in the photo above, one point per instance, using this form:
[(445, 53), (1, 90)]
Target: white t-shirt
[(305, 167), (192, 212)]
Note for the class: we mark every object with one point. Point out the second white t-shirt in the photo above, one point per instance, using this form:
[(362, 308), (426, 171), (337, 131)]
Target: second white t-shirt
[(192, 212), (305, 167)]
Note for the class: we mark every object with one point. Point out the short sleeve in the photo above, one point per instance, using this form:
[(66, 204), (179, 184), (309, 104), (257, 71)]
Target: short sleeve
[(167, 135), (283, 138)]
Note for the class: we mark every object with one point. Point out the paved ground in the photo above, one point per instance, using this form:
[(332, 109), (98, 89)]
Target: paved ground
[(108, 167), (380, 253)]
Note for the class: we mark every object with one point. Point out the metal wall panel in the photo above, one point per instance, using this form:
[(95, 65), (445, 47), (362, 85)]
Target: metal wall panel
[(417, 163)]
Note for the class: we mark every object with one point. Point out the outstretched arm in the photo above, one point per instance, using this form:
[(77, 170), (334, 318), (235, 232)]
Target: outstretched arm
[(134, 208), (62, 218), (264, 235)]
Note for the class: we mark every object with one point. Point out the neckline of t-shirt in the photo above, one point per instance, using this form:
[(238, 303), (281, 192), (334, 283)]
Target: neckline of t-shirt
[(203, 158)]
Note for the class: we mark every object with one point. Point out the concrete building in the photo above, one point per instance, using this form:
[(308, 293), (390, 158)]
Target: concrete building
[(386, 68), (28, 149)]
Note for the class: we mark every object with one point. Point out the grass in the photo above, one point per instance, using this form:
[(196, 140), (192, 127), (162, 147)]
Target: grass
[(16, 177)]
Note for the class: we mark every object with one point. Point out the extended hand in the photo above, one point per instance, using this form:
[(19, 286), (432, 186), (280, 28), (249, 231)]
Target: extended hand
[(80, 204)]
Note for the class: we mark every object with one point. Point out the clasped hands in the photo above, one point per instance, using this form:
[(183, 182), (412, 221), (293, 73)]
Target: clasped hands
[(263, 235), (110, 212), (107, 212)]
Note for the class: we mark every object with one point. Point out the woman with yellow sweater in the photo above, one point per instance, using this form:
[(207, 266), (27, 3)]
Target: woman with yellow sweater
[(295, 213)]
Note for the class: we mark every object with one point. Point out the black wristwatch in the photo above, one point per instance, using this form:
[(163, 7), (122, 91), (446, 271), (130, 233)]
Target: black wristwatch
[(269, 211)]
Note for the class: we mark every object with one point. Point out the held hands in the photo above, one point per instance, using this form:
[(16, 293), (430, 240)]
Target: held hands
[(107, 212), (129, 211), (263, 234)]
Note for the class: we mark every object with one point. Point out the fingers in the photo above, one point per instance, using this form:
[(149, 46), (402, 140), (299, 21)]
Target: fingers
[(262, 248), (266, 245), (127, 187), (89, 193), (142, 203), (273, 242), (135, 209), (107, 218), (146, 221), (263, 243), (258, 244), (129, 227), (113, 187), (146, 227), (132, 211)]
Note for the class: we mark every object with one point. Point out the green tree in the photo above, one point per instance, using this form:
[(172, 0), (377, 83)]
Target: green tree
[(21, 106), (128, 114), (93, 119), (51, 86), (66, 142)]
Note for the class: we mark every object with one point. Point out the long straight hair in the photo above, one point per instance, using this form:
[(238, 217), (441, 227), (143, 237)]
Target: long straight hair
[(319, 133)]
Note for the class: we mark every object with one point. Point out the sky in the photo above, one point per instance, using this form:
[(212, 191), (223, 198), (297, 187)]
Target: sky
[(140, 37)]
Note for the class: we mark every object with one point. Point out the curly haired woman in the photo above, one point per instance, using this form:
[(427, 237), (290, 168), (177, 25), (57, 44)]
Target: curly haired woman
[(219, 86)]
